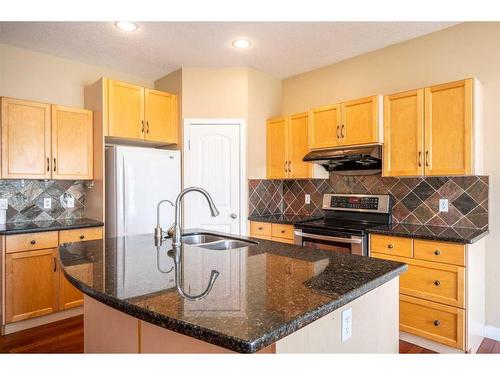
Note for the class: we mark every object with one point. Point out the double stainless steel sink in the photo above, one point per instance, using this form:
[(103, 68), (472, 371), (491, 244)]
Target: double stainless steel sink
[(214, 242)]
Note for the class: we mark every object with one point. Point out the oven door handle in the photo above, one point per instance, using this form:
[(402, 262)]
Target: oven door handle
[(355, 240)]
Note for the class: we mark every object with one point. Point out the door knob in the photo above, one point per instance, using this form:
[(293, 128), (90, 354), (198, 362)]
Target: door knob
[(233, 216)]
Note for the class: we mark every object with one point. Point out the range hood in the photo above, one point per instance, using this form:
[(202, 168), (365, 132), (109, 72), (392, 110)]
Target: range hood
[(349, 160)]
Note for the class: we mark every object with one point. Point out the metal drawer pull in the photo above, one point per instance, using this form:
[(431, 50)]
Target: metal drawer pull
[(328, 238), (437, 252), (390, 246), (283, 231), (437, 282), (32, 242), (82, 237), (260, 228), (437, 323)]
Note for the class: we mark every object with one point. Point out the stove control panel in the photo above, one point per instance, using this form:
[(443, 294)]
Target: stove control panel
[(356, 202)]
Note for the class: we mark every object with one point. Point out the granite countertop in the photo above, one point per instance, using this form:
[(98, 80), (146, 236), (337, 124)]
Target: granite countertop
[(253, 302), (284, 218), (47, 226), (427, 232)]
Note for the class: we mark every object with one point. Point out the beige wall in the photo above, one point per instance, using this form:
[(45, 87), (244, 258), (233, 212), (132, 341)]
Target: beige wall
[(35, 76), (229, 93), (466, 50)]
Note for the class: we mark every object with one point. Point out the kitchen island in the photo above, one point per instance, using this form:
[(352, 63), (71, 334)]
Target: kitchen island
[(261, 296)]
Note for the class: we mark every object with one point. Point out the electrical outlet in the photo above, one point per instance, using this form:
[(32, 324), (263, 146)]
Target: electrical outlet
[(346, 324), (70, 201), (308, 199), (4, 203), (47, 203), (443, 205)]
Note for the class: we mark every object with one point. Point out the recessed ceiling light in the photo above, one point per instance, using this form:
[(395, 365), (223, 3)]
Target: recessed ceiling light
[(126, 25), (241, 43)]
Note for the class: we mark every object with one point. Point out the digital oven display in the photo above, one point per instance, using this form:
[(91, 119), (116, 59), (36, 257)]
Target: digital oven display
[(365, 203)]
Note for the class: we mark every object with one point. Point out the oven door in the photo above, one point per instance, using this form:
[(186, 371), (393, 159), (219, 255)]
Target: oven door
[(341, 243)]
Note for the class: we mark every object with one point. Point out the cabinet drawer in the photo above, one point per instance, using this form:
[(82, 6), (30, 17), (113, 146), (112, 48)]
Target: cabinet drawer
[(284, 240), (30, 241), (260, 229), (436, 282), (442, 252), (83, 234), (398, 246), (433, 321), (282, 231)]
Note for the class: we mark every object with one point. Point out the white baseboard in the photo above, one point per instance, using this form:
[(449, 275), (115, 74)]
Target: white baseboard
[(492, 332), (41, 320)]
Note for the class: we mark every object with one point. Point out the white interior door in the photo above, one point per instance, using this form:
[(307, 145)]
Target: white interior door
[(212, 162)]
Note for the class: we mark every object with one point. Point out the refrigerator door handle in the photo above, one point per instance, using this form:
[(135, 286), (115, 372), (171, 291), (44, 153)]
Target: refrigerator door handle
[(124, 189)]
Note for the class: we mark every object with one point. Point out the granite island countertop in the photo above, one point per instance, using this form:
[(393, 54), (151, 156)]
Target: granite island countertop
[(48, 225), (428, 232), (253, 302)]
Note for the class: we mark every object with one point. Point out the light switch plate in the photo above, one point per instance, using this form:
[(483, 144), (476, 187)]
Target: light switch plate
[(308, 199), (346, 324), (4, 203), (443, 205), (47, 203)]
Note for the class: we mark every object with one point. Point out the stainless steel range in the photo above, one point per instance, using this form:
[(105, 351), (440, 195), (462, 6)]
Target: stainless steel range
[(347, 217)]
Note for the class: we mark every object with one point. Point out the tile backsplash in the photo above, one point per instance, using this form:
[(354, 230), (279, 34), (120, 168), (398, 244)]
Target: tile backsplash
[(25, 199), (415, 200)]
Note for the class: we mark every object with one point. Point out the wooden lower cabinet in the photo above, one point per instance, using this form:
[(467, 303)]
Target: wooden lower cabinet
[(272, 231), (69, 296), (31, 284)]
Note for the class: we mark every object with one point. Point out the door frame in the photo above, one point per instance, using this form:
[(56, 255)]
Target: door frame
[(241, 123)]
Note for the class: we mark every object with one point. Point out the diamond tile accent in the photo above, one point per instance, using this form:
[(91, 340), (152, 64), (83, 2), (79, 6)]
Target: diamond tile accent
[(25, 199), (415, 199)]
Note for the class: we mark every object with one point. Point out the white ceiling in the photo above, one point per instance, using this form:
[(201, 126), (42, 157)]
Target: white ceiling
[(157, 48)]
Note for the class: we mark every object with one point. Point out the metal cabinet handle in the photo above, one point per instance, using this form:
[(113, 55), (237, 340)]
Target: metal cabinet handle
[(338, 129), (390, 246), (55, 264), (233, 216), (82, 236), (420, 158), (283, 231), (342, 131), (286, 170), (142, 122), (147, 127), (32, 242), (289, 166), (55, 165), (437, 252), (260, 228), (437, 282), (437, 323), (48, 164), (427, 158)]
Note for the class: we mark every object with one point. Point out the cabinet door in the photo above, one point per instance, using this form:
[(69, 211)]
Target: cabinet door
[(324, 130), (126, 110), (360, 121), (448, 129), (161, 116), (72, 143), (277, 163), (31, 284), (69, 296), (298, 146), (25, 139), (404, 134)]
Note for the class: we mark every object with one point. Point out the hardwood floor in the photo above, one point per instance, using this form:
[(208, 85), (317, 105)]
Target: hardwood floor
[(66, 336)]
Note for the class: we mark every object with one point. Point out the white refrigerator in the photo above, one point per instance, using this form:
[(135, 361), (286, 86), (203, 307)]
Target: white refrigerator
[(137, 178)]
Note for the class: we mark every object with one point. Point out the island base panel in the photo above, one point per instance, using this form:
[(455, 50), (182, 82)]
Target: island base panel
[(375, 329)]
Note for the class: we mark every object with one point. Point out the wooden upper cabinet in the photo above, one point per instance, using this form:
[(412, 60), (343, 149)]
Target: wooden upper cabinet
[(161, 116), (31, 283), (25, 139), (448, 129), (404, 134), (126, 110), (324, 130), (360, 121), (277, 162), (298, 146), (72, 143)]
